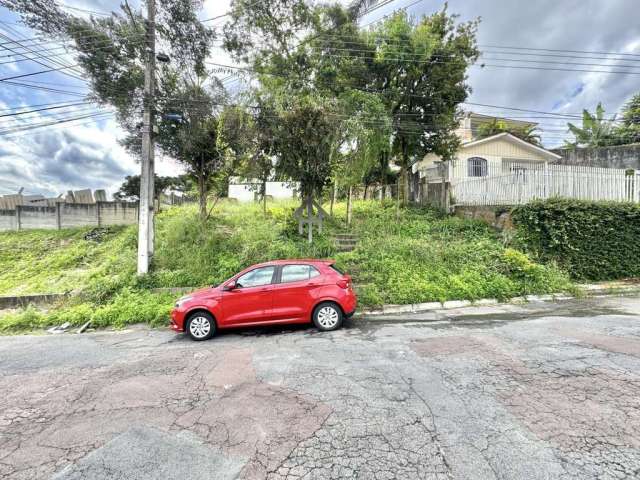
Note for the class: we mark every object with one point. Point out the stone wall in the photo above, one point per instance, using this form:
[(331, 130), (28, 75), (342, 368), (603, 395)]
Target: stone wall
[(498, 217), (65, 215), (621, 156)]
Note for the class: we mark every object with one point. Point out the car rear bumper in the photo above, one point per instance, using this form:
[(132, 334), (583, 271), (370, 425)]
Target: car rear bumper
[(349, 304)]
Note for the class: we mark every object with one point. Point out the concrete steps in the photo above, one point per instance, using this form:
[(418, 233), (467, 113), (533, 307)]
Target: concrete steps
[(345, 242)]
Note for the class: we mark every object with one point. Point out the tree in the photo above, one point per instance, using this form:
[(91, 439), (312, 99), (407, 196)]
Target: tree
[(527, 133), (420, 71), (305, 143), (130, 188), (261, 161), (194, 139), (596, 131), (366, 137), (115, 72), (629, 130)]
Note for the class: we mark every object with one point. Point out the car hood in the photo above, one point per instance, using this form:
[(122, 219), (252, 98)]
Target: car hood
[(208, 291)]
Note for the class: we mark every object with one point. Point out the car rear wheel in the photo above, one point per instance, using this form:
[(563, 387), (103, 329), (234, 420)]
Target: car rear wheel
[(327, 316), (201, 326)]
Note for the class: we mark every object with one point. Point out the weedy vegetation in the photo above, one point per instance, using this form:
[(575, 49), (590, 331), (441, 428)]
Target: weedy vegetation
[(421, 256)]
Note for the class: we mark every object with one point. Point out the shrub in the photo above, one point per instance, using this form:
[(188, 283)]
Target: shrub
[(590, 240)]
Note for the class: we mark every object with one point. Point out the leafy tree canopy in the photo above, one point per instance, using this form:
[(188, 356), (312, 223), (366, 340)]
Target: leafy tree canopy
[(130, 188)]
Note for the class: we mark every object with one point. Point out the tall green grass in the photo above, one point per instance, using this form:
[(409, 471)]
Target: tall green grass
[(419, 256)]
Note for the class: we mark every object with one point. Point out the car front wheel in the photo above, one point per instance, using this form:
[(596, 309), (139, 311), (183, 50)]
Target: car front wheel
[(327, 316), (201, 326)]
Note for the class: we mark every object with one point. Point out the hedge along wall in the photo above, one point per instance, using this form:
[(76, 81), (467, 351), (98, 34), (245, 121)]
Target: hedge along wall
[(590, 240)]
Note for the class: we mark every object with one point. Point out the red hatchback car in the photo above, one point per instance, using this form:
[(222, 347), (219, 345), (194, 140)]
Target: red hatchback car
[(278, 292)]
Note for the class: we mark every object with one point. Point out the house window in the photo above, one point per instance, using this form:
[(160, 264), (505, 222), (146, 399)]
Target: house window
[(477, 167)]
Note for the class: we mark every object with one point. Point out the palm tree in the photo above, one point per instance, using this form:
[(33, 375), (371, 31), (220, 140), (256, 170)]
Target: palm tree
[(527, 133)]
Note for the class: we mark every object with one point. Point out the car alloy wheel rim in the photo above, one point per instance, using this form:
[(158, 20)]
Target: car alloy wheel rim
[(328, 317), (199, 327)]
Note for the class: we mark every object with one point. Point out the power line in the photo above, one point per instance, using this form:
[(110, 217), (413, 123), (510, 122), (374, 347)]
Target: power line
[(43, 109), (22, 107), (45, 89), (15, 122), (55, 62), (34, 73), (68, 7), (96, 118), (427, 58), (17, 129), (556, 114), (586, 52), (94, 38)]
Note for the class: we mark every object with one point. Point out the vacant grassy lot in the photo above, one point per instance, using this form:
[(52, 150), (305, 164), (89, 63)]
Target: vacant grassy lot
[(422, 256)]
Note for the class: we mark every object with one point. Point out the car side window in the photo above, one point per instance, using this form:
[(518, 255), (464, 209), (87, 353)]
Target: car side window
[(297, 273), (255, 278)]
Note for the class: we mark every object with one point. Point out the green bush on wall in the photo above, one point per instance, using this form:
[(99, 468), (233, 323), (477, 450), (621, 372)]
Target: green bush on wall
[(590, 240)]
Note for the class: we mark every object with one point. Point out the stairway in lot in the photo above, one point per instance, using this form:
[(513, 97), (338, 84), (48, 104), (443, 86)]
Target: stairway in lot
[(345, 242)]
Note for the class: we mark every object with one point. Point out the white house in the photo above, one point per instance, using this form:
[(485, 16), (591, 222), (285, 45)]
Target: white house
[(500, 154), (505, 170)]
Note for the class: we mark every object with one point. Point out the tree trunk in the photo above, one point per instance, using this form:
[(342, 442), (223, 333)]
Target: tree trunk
[(366, 190), (406, 187), (398, 199), (202, 192), (334, 193), (264, 197), (349, 205), (309, 218)]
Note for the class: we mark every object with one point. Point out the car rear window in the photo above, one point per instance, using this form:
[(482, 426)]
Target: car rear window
[(336, 269), (296, 273)]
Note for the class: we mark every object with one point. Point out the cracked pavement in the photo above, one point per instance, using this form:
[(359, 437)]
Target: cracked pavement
[(538, 391)]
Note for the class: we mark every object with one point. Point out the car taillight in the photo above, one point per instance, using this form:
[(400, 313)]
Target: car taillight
[(344, 282)]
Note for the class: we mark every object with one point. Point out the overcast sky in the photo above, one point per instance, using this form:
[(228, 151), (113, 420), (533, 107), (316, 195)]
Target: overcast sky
[(87, 155)]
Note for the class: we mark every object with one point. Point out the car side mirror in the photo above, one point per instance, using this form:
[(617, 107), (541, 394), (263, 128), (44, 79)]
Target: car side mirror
[(230, 286)]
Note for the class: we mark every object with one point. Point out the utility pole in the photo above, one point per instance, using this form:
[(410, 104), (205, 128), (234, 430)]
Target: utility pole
[(146, 205)]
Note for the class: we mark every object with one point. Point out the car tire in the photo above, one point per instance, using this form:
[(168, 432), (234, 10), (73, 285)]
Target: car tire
[(327, 316), (201, 326)]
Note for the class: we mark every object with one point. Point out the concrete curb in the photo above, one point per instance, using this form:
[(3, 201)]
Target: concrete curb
[(591, 290)]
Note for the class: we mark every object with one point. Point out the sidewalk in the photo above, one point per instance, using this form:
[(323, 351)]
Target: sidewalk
[(620, 302)]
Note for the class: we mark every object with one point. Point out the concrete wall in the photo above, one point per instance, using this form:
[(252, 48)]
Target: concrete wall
[(118, 213), (65, 215), (31, 217), (621, 156), (78, 214), (8, 220)]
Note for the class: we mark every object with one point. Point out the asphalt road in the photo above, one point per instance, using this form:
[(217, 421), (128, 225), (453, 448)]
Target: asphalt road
[(545, 391)]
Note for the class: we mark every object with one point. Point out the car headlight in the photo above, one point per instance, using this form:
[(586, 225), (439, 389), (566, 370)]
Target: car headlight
[(182, 300)]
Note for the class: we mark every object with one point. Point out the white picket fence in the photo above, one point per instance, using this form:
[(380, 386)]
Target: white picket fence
[(523, 185)]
